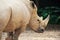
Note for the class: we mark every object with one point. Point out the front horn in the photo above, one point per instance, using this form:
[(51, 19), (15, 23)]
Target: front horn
[(45, 21)]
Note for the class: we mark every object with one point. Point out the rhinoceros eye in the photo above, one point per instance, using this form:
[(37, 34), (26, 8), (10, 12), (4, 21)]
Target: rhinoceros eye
[(38, 20)]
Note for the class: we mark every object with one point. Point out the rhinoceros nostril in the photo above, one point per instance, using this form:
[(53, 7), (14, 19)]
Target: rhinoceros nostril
[(40, 30)]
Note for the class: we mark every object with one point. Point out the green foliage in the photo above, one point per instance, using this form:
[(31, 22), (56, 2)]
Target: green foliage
[(54, 13)]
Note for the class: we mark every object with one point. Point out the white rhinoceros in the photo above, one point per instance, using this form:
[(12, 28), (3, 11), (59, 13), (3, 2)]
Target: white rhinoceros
[(16, 14)]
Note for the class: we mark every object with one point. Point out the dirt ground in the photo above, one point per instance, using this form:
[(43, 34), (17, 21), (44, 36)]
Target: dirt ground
[(51, 33)]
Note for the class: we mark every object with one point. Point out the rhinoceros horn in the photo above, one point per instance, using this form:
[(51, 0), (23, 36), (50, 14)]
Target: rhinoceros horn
[(45, 21)]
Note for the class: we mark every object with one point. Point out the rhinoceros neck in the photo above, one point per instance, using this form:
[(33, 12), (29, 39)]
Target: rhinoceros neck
[(33, 19), (34, 15)]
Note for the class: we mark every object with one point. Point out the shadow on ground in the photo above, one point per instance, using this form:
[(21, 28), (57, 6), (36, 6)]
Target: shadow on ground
[(52, 32), (53, 27)]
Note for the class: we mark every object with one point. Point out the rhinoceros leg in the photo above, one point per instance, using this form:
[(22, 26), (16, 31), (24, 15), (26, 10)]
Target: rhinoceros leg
[(5, 14), (2, 27), (19, 31), (10, 36), (15, 35), (0, 35)]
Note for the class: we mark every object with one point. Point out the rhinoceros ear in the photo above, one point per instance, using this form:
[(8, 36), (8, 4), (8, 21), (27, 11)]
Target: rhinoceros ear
[(45, 21)]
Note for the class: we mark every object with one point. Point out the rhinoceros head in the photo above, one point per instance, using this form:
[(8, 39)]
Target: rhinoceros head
[(38, 24)]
